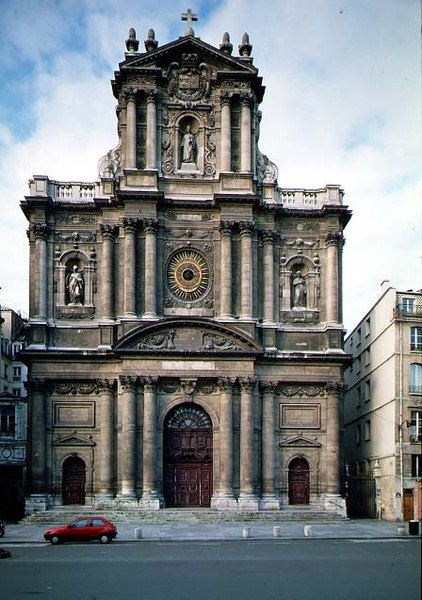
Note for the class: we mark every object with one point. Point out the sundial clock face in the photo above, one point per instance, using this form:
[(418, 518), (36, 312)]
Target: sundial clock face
[(188, 275)]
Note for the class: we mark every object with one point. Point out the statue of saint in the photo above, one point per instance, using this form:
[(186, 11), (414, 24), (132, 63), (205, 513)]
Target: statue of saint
[(299, 291), (75, 285), (188, 146)]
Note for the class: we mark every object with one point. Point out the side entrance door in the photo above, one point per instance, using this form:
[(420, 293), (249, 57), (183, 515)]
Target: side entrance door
[(408, 508), (73, 482), (299, 481)]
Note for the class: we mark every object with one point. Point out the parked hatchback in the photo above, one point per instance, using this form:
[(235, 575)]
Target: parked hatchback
[(82, 529)]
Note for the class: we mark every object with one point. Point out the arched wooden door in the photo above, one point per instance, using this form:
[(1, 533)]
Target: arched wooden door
[(188, 454), (73, 481), (299, 481)]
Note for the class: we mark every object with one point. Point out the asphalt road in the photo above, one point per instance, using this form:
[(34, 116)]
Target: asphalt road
[(244, 570)]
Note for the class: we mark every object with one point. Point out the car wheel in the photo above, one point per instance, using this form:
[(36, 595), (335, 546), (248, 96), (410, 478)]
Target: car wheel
[(104, 539), (55, 540)]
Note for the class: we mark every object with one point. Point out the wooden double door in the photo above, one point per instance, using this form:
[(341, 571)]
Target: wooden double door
[(188, 485)]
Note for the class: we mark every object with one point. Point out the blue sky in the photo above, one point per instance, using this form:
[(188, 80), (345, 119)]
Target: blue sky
[(342, 105)]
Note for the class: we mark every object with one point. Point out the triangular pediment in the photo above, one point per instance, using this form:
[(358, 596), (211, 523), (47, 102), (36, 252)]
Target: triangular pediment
[(73, 439), (187, 336), (173, 50), (301, 441)]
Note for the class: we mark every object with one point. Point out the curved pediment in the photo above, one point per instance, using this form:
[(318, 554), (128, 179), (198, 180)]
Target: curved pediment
[(181, 335)]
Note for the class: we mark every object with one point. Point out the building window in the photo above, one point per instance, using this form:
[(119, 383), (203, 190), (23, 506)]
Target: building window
[(367, 430), (358, 434), (16, 392), (368, 326), (415, 378), (359, 337), (367, 390), (416, 338), (407, 305), (358, 396), (416, 425), (17, 373), (417, 466), (357, 362), (7, 421), (367, 356)]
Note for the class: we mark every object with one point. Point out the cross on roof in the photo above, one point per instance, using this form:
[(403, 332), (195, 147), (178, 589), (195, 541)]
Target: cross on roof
[(189, 16)]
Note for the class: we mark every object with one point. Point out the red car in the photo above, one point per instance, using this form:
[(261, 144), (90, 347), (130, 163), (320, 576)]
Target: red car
[(82, 529)]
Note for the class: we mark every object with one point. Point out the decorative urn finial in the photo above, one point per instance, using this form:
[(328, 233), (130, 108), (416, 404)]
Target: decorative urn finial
[(151, 43), (245, 48), (132, 44), (226, 46)]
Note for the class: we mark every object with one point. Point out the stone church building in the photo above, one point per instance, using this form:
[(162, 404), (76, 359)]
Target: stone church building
[(185, 332)]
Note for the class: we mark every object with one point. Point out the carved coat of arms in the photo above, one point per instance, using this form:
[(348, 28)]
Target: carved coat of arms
[(188, 81)]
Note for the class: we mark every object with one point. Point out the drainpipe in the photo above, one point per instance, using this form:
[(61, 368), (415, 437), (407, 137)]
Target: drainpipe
[(401, 415)]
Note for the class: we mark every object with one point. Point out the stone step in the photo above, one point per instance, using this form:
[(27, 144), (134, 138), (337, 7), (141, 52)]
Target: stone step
[(189, 515)]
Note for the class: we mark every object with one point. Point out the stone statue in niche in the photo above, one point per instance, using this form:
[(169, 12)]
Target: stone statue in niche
[(299, 291), (75, 285), (188, 147)]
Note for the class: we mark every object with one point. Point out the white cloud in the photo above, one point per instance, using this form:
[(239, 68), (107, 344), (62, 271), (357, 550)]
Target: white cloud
[(342, 106)]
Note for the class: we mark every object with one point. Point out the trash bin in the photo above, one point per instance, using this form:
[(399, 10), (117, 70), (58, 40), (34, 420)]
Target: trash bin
[(413, 527)]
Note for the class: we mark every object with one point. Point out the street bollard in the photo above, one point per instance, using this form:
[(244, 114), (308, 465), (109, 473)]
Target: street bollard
[(276, 531), (137, 533), (246, 532), (401, 530), (307, 531)]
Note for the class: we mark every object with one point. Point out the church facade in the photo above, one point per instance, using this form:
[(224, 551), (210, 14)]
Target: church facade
[(185, 335)]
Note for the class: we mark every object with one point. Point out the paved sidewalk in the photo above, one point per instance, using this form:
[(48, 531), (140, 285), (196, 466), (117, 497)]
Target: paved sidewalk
[(135, 531)]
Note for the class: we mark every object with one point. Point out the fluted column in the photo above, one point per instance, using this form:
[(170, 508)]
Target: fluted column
[(226, 230), (130, 130), (150, 279), (226, 134), (106, 468), (40, 232), (333, 239), (268, 264), (247, 497), (245, 134), (246, 231), (269, 499), (130, 227), (127, 449), (107, 269), (224, 498), (151, 149), (150, 496), (333, 391), (38, 453)]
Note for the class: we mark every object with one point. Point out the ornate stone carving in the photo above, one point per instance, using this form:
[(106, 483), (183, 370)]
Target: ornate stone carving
[(212, 341), (158, 341), (226, 46), (167, 153), (226, 384), (247, 384), (132, 44), (151, 43), (334, 238), (82, 388), (108, 231), (75, 312), (267, 171), (75, 237), (298, 390), (245, 48), (73, 219), (40, 231), (128, 383), (188, 82), (300, 243), (110, 165), (210, 156)]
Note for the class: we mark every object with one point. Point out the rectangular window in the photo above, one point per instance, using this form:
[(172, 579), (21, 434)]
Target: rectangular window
[(417, 466), (416, 426), (358, 434), (367, 390), (367, 356), (416, 338), (415, 386), (7, 421), (367, 430), (358, 396), (368, 326), (407, 304)]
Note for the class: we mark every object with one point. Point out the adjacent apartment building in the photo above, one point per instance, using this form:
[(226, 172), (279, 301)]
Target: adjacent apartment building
[(13, 415), (383, 407)]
